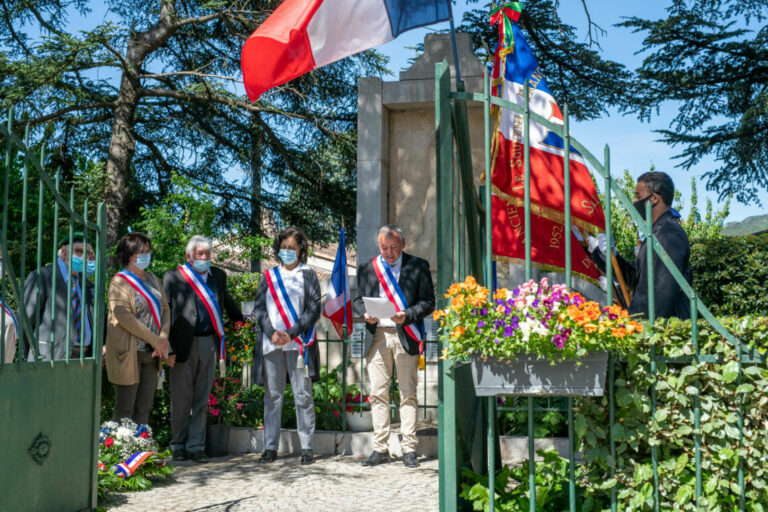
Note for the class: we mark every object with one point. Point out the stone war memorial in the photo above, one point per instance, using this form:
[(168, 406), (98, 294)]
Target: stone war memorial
[(245, 268)]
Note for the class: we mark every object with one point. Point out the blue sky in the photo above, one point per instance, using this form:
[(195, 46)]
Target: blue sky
[(633, 143)]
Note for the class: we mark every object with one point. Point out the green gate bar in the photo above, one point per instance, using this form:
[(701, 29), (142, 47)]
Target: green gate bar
[(450, 206)]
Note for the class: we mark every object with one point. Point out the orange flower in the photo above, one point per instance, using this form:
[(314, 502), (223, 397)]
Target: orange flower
[(501, 293), (457, 302), (233, 358), (458, 332), (618, 332), (590, 328), (438, 314), (470, 283)]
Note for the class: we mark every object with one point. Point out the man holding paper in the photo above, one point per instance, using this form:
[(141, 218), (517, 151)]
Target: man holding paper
[(404, 282)]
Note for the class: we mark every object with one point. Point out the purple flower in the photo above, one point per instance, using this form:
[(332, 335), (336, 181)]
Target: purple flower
[(558, 340), (612, 316), (535, 303), (507, 310), (516, 291), (509, 331), (514, 323), (481, 323), (498, 323), (474, 311), (484, 311), (496, 341)]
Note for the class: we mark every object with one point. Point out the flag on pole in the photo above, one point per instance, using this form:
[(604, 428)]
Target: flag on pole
[(338, 302), (303, 35), (514, 66)]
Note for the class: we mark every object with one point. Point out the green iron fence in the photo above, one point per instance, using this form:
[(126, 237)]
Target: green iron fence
[(51, 407), (462, 251)]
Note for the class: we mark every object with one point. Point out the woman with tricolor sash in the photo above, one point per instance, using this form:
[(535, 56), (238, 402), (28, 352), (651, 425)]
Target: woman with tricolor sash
[(287, 306), (137, 330)]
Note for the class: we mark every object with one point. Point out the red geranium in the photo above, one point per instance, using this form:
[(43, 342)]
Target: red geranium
[(109, 441)]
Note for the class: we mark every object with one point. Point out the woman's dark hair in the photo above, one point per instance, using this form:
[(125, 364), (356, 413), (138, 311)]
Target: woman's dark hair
[(131, 244), (659, 183), (301, 240)]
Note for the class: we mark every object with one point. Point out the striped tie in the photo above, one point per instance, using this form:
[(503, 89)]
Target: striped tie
[(76, 309)]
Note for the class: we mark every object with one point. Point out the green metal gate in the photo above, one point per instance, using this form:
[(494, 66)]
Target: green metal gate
[(49, 410), (464, 248)]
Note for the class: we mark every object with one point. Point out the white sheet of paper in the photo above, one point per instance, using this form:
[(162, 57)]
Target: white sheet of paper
[(379, 307)]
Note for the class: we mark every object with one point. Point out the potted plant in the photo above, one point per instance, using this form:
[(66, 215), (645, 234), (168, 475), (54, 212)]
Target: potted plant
[(225, 409), (534, 340), (358, 410), (240, 340)]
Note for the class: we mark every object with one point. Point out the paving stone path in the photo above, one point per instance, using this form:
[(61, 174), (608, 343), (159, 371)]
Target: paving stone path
[(332, 483)]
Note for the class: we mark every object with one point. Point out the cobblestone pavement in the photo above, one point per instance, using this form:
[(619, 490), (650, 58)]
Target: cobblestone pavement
[(332, 483)]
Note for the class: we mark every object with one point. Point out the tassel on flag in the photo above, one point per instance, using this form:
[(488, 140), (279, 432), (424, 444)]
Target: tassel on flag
[(338, 302)]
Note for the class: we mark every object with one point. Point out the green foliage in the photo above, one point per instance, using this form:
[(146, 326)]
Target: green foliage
[(729, 274), (721, 390), (709, 58), (186, 211), (243, 286), (545, 423), (512, 488)]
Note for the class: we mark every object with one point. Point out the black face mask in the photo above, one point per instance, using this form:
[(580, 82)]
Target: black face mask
[(640, 206)]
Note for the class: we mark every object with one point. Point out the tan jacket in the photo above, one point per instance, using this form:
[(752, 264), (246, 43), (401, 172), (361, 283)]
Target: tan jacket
[(124, 328)]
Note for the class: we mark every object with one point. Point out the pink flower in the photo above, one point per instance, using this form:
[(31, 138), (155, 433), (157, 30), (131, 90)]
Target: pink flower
[(109, 441), (213, 400), (144, 435), (215, 412), (237, 381), (336, 413), (239, 406)]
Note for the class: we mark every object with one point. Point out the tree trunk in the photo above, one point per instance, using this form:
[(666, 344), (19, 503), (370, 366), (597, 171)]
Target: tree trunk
[(257, 140)]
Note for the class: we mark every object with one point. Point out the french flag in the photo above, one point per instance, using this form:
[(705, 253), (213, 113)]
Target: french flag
[(338, 302), (303, 35)]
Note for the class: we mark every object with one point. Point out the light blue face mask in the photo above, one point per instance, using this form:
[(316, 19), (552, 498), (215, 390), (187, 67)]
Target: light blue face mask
[(77, 265), (287, 256), (143, 260), (201, 266)]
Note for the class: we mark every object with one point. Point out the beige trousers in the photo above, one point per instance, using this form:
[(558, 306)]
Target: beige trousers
[(385, 351)]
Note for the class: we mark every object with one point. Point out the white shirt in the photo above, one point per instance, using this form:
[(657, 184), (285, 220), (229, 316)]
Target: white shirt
[(293, 280), (395, 268)]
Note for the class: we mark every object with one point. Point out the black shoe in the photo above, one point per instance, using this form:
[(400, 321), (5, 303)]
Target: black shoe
[(410, 460), (199, 456), (307, 457), (269, 456), (376, 458), (178, 455)]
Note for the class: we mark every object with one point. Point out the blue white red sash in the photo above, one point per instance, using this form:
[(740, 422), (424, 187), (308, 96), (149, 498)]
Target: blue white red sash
[(206, 296), (128, 468), (142, 289), (287, 313), (395, 295), (10, 313)]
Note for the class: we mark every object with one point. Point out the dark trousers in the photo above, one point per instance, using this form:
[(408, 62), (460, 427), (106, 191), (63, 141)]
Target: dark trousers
[(135, 401), (191, 383)]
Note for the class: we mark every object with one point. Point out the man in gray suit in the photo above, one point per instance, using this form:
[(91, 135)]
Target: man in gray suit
[(194, 348), (69, 299)]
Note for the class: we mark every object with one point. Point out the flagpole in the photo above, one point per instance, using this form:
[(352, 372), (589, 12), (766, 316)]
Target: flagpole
[(453, 42)]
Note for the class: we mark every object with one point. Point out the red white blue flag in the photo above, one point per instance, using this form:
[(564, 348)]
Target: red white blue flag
[(303, 35), (128, 468), (208, 299), (338, 301), (152, 301), (396, 296), (514, 66)]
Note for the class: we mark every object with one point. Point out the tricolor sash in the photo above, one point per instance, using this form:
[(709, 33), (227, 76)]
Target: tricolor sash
[(128, 468), (395, 296), (287, 316), (144, 291), (206, 296), (10, 313)]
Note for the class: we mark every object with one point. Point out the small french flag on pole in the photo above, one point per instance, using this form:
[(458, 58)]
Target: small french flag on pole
[(338, 302), (303, 35)]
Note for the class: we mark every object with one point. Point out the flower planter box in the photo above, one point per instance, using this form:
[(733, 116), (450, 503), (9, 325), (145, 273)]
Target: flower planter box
[(217, 440), (528, 375), (360, 422)]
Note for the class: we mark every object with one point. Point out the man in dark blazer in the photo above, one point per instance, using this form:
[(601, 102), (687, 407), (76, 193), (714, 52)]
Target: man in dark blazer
[(669, 299), (387, 342), (194, 348), (52, 332)]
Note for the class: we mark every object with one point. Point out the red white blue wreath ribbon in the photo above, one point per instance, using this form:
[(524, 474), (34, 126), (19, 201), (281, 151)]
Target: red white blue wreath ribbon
[(144, 291), (128, 468), (395, 295), (209, 301), (279, 296)]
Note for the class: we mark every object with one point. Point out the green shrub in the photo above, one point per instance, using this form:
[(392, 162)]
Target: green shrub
[(730, 274)]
